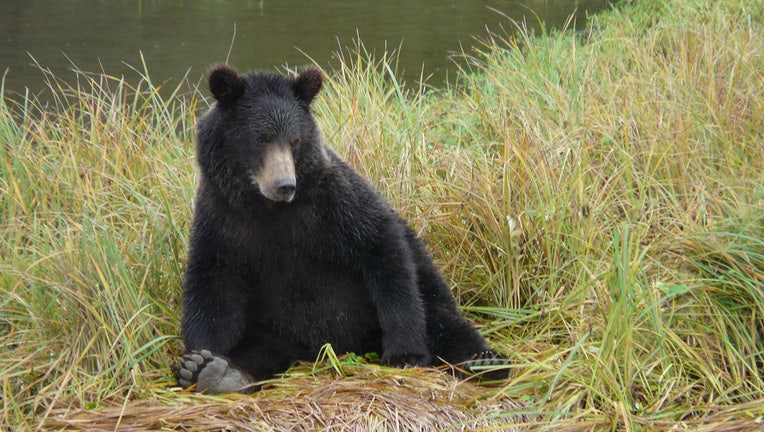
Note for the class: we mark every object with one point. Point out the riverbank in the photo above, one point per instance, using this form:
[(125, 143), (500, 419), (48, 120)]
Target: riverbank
[(595, 199)]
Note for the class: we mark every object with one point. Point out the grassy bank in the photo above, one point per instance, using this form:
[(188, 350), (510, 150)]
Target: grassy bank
[(595, 199)]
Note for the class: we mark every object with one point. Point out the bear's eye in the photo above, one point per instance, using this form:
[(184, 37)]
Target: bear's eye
[(294, 140), (266, 138)]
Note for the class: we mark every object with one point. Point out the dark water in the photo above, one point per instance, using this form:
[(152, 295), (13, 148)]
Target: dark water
[(176, 37)]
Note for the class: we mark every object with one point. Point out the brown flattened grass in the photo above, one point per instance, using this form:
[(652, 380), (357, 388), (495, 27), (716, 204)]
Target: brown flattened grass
[(362, 398)]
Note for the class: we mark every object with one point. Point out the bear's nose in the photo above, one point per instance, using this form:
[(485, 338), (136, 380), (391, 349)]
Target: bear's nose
[(285, 188)]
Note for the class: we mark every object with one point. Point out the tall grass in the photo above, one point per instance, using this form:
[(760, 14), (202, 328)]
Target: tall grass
[(96, 190), (596, 200)]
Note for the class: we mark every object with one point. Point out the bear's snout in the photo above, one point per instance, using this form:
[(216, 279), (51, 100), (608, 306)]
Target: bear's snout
[(276, 179), (285, 188)]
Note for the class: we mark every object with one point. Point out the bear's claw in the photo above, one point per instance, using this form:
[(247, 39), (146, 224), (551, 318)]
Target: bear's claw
[(487, 365), (206, 372)]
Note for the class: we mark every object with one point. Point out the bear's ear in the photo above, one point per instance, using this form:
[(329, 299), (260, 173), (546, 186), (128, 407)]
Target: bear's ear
[(225, 84), (307, 84)]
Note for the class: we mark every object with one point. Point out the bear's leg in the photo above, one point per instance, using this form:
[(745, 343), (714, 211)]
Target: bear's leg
[(451, 338), (258, 356), (212, 373), (455, 342)]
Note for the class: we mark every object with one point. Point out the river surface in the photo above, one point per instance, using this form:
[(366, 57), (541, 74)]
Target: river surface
[(178, 38)]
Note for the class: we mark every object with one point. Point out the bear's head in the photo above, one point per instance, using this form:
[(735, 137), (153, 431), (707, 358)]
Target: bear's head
[(260, 137)]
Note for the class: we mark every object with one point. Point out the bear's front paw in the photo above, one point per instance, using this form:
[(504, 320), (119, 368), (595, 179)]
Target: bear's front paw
[(210, 373), (405, 360)]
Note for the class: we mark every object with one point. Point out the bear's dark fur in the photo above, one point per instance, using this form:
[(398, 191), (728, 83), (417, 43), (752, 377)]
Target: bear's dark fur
[(291, 249)]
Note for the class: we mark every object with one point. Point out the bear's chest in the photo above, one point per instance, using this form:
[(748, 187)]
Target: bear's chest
[(305, 295)]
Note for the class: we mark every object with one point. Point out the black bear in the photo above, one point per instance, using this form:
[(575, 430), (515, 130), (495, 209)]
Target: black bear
[(291, 249)]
